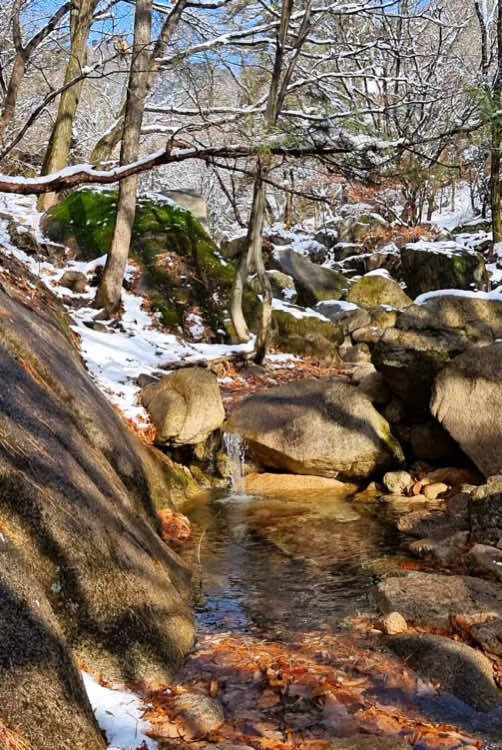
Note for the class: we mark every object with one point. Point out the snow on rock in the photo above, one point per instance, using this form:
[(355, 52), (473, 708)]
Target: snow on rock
[(496, 294), (444, 247), (119, 714), (295, 311)]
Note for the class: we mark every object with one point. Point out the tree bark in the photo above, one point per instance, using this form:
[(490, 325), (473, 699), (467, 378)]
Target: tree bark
[(58, 149), (109, 292), (103, 150)]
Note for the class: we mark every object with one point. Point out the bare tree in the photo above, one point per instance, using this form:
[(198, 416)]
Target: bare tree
[(23, 53)]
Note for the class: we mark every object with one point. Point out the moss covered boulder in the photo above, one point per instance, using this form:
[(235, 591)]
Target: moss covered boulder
[(377, 289), (428, 266), (301, 331), (182, 267)]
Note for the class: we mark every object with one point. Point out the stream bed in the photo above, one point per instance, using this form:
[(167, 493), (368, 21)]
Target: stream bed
[(286, 631)]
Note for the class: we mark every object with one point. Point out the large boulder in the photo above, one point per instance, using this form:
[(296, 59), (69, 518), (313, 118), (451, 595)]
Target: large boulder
[(42, 697), (378, 289), (441, 265), (467, 401), (78, 493), (313, 283), (432, 600), (301, 331), (321, 427), (185, 406), (426, 337), (458, 668), (177, 259)]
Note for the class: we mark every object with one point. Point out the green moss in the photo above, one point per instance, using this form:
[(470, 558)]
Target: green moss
[(199, 277), (371, 291)]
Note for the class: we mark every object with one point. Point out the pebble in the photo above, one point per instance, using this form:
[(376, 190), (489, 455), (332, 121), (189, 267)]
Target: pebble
[(394, 623)]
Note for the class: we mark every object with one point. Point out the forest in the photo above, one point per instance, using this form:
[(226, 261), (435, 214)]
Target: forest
[(251, 366)]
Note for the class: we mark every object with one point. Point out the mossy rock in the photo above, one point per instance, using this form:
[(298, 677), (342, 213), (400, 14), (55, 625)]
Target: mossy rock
[(428, 266), (306, 335), (183, 267), (374, 290)]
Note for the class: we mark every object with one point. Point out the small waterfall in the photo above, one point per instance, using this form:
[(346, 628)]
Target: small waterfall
[(234, 447)]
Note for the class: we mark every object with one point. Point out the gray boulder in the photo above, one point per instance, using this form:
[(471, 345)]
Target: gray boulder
[(427, 266), (314, 283), (345, 314), (459, 669), (320, 427), (467, 401), (431, 599), (185, 407), (425, 338)]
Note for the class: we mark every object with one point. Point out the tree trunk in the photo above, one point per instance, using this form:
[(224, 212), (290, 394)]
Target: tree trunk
[(109, 292), (15, 81), (103, 150), (58, 149), (256, 251), (496, 143)]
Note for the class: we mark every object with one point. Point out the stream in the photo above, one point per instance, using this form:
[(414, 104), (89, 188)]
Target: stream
[(293, 577)]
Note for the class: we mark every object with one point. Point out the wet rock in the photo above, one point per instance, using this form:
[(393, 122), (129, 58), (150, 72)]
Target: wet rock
[(394, 624), (376, 289), (321, 427), (473, 380), (489, 636), (185, 407), (23, 238), (432, 599), (313, 283), (397, 482), (199, 714), (459, 669), (74, 280), (443, 550), (428, 266), (486, 561)]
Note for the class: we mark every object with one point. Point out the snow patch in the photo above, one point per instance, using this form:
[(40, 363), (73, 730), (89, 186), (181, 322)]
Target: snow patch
[(119, 714)]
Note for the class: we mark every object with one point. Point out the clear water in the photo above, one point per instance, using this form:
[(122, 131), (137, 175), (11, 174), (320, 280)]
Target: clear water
[(295, 562)]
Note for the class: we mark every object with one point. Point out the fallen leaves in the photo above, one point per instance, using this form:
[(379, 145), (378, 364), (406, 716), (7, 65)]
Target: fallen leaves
[(175, 526), (300, 693)]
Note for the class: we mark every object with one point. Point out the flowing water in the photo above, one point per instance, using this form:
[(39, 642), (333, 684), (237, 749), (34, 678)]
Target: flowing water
[(234, 446), (269, 567), (285, 563)]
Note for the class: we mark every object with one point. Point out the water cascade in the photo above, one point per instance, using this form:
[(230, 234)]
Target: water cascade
[(234, 447)]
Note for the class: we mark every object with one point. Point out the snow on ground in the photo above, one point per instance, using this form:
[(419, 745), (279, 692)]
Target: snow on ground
[(114, 355), (460, 214), (119, 714)]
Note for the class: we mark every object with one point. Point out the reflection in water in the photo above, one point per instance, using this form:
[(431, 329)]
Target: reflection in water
[(302, 563)]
